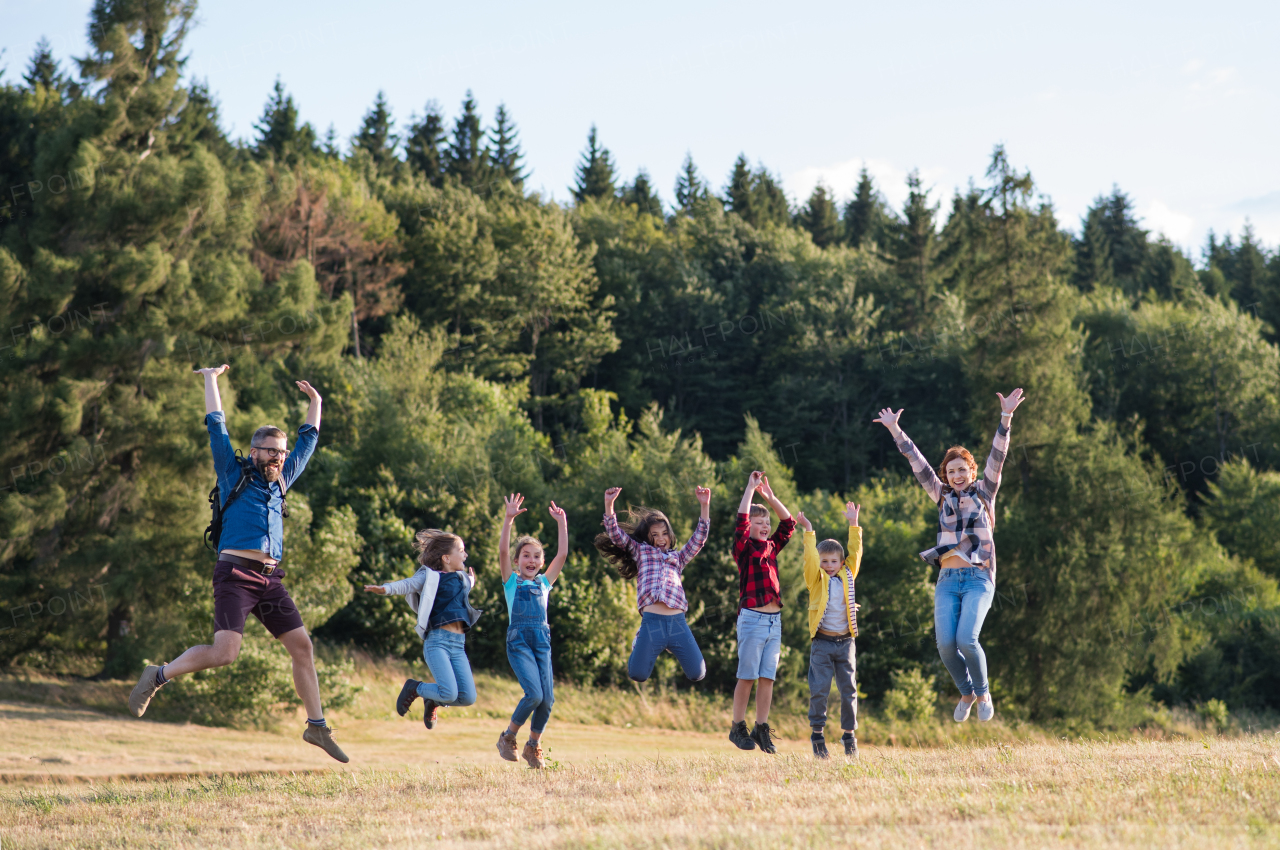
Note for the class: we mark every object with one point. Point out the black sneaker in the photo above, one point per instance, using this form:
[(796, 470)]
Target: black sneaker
[(740, 736), (819, 742), (761, 736), (850, 745), (429, 713), (408, 694)]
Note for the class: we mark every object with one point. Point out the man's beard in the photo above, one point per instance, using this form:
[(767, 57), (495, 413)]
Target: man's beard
[(271, 473)]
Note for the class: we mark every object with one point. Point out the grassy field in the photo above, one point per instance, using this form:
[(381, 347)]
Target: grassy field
[(625, 771)]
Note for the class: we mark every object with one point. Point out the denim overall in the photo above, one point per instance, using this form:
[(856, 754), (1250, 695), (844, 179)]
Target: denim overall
[(529, 651)]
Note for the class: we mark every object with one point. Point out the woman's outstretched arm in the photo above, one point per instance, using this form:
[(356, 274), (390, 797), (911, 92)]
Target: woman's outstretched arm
[(923, 471), (990, 482)]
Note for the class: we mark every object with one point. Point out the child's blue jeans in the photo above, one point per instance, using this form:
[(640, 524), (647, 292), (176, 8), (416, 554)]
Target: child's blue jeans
[(665, 631), (446, 657)]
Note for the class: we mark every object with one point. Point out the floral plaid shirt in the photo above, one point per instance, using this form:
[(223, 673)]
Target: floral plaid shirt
[(964, 518), (658, 570), (758, 562)]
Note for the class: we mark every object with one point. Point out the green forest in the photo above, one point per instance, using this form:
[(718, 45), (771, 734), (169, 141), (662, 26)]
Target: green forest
[(472, 338)]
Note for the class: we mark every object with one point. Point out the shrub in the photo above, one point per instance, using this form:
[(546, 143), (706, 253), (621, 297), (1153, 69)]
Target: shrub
[(911, 698)]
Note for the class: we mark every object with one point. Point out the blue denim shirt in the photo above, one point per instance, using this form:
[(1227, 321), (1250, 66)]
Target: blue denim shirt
[(254, 520)]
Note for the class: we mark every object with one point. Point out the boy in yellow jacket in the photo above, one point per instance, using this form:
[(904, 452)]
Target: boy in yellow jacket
[(833, 624)]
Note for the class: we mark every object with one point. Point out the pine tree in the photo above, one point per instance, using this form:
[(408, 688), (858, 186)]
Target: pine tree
[(690, 188), (820, 218), (422, 148), (466, 157), (330, 147), (506, 156), (376, 137), (864, 214), (738, 194), (769, 204), (43, 70), (278, 131), (595, 178), (200, 123), (641, 194), (1112, 248), (914, 245)]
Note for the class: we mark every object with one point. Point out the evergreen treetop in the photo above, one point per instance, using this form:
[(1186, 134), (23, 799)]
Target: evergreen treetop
[(595, 177)]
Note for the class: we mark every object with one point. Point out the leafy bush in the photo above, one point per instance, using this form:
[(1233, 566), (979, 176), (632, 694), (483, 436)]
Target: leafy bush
[(1214, 714), (912, 697)]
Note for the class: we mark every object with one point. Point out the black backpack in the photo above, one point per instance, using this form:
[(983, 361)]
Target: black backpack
[(213, 532)]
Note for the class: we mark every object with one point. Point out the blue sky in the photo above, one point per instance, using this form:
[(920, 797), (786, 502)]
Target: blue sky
[(1174, 102)]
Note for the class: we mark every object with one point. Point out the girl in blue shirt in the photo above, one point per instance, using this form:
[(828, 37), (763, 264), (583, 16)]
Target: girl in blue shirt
[(529, 634)]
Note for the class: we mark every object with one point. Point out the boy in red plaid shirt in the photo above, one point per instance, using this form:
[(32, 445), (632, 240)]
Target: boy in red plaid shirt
[(759, 626)]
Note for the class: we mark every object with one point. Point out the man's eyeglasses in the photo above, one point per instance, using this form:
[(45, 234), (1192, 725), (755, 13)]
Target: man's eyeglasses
[(272, 453)]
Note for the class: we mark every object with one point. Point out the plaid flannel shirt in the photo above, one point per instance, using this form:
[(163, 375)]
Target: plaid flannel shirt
[(964, 518), (658, 570), (758, 562)]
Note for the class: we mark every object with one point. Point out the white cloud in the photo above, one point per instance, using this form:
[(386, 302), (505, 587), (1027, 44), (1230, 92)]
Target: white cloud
[(842, 178), (1159, 218)]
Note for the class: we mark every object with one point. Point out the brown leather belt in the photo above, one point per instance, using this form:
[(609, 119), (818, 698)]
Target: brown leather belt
[(249, 564)]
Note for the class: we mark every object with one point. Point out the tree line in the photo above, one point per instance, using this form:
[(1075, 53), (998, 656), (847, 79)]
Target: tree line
[(473, 338)]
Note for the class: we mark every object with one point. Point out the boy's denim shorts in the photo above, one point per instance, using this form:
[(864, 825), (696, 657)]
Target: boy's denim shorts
[(759, 644)]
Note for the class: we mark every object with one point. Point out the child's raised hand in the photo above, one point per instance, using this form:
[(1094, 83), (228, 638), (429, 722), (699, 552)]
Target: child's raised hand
[(888, 418), (765, 489), (611, 494), (557, 512), (803, 521), (704, 495), (851, 512), (754, 479), (375, 588), (471, 572), (513, 503)]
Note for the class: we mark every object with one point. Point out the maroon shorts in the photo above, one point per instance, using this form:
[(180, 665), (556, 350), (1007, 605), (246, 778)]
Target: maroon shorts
[(237, 592)]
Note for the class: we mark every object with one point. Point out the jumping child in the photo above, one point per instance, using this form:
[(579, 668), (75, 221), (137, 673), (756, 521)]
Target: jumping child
[(833, 624), (966, 551), (644, 550), (529, 633), (440, 592), (759, 610)]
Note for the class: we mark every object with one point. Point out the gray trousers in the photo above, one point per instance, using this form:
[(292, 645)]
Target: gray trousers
[(827, 659)]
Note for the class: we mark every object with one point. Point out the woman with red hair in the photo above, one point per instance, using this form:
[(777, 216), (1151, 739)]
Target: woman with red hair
[(966, 552)]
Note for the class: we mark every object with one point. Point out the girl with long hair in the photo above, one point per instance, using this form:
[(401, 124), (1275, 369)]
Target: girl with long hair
[(644, 549), (965, 553)]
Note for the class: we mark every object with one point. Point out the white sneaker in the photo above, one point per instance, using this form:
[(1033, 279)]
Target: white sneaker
[(986, 709), (962, 710)]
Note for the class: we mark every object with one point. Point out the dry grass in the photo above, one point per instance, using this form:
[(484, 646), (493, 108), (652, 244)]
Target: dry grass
[(1219, 793)]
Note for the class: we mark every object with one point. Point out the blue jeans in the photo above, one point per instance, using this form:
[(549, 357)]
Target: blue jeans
[(960, 604), (665, 631), (446, 657)]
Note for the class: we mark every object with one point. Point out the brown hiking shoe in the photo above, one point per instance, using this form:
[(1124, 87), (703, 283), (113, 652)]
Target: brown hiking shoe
[(507, 745), (142, 692), (429, 713), (533, 754), (322, 737)]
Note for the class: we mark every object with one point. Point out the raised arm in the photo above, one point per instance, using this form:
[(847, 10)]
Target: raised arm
[(512, 509), (402, 587), (699, 537), (212, 398), (853, 560), (923, 471), (1000, 444), (812, 560), (313, 409), (753, 482), (616, 534), (562, 544)]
